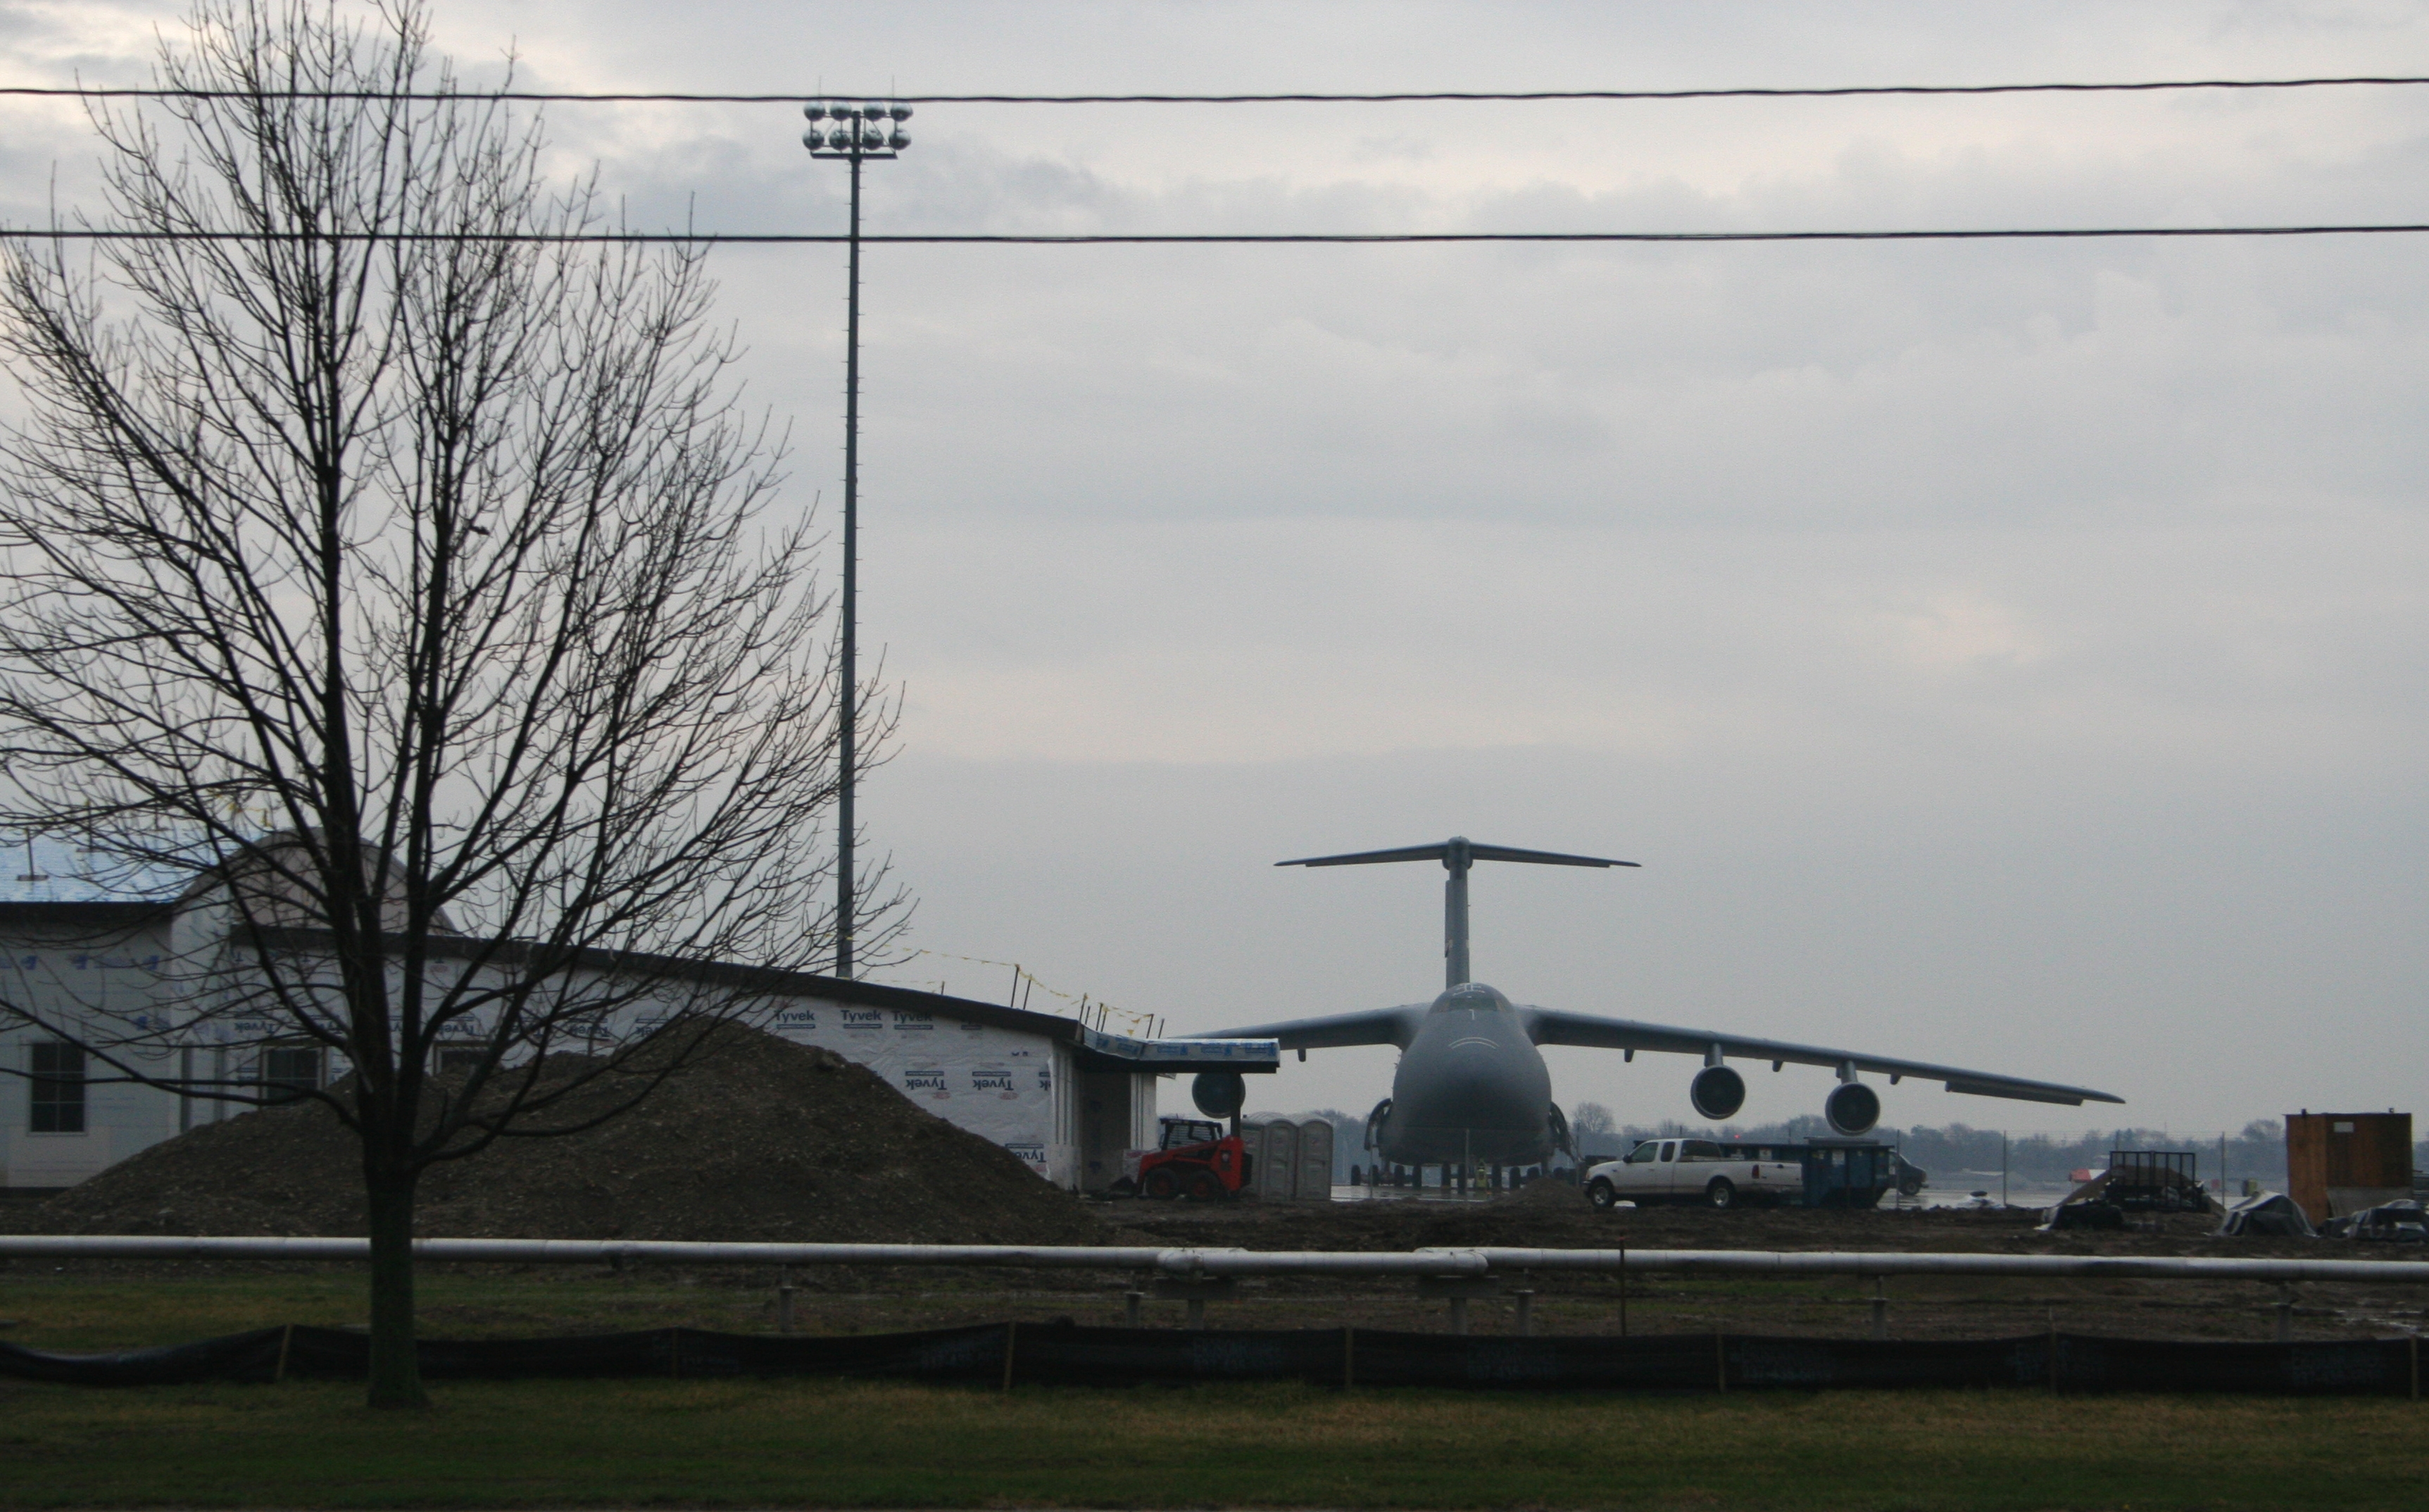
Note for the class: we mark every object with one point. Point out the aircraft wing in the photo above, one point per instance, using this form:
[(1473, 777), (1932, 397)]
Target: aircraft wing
[(1374, 1026), (1553, 1026)]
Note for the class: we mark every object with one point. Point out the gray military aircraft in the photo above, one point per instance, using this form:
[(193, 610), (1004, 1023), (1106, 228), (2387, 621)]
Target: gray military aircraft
[(1471, 1089)]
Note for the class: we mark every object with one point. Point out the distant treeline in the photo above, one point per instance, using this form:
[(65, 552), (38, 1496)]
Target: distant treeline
[(1947, 1152), (1952, 1150)]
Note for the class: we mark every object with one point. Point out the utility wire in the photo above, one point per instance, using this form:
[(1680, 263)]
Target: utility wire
[(1119, 239), (1449, 96)]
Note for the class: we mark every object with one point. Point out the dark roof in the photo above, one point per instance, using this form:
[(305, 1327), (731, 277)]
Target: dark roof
[(789, 983), (81, 914)]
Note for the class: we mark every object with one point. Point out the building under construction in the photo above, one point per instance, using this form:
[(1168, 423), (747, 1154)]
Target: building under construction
[(2340, 1163)]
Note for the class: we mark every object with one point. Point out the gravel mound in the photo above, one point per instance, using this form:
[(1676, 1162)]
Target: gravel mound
[(763, 1138)]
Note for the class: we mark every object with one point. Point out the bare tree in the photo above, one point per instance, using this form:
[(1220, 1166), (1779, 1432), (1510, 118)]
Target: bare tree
[(1590, 1123), (396, 571)]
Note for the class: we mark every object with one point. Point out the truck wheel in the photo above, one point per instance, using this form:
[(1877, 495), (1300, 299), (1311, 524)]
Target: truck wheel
[(1910, 1186), (1162, 1185), (1599, 1192), (1720, 1194), (1206, 1187)]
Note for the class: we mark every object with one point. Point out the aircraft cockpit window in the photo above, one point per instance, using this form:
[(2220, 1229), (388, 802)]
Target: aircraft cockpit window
[(1465, 1003)]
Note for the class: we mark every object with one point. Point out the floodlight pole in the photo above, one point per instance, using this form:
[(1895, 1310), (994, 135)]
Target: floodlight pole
[(848, 737), (853, 141)]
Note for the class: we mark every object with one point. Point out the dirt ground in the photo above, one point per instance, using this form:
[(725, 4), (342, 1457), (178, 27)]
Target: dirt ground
[(1555, 1217), (469, 1301)]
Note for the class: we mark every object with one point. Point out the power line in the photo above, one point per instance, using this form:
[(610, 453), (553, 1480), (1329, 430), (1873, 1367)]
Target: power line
[(1407, 97), (1252, 239)]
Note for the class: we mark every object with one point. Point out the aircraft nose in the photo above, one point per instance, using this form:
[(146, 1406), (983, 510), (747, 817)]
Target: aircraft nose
[(1475, 1086)]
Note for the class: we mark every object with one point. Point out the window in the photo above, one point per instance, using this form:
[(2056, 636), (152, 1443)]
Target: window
[(1177, 1133), (1644, 1154), (289, 1072), (460, 1059), (1699, 1150), (58, 1070)]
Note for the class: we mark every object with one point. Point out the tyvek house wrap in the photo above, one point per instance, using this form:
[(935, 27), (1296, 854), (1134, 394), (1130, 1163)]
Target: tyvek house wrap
[(998, 1084)]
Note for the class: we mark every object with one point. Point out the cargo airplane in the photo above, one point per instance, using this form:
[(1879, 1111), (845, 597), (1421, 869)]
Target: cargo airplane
[(1471, 1089)]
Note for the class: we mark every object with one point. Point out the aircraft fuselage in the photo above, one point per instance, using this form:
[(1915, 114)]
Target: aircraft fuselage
[(1471, 1087)]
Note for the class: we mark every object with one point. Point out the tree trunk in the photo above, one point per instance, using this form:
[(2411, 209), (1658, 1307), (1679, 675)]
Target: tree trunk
[(396, 1370)]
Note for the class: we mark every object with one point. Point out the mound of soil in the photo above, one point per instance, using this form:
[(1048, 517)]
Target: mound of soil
[(760, 1139)]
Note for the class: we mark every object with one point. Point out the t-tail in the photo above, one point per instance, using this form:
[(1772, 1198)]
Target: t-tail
[(1457, 854)]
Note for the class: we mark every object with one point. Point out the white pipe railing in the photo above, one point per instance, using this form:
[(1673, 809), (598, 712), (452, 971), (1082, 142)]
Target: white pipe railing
[(1180, 1263)]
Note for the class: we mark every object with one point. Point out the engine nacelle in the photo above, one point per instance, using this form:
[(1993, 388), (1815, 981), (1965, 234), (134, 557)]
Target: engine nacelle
[(1852, 1108), (1219, 1094), (1717, 1092)]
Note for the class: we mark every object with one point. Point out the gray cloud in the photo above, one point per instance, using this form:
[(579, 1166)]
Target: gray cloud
[(2003, 653)]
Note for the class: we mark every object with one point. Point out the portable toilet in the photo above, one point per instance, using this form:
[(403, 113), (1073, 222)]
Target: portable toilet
[(1273, 1145), (1316, 1161)]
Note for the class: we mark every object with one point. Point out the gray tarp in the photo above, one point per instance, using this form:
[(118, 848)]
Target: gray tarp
[(2270, 1212)]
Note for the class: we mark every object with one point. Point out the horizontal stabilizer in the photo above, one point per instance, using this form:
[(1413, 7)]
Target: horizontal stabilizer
[(1441, 852), (1411, 853), (1547, 858)]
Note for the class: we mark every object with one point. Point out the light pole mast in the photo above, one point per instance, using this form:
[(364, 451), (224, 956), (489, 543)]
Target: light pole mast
[(858, 135)]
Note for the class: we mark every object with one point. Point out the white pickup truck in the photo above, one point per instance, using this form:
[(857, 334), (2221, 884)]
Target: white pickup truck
[(1698, 1171)]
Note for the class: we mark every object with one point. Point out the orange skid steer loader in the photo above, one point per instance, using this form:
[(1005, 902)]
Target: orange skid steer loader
[(1193, 1158)]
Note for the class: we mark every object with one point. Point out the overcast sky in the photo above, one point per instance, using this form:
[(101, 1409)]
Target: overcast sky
[(2009, 654)]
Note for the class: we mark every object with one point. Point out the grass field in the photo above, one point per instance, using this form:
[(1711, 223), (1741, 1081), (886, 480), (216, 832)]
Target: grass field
[(832, 1444), (792, 1443), (108, 1308)]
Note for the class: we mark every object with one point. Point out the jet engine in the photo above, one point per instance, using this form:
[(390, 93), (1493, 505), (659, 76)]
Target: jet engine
[(1852, 1108), (1218, 1093), (1717, 1092)]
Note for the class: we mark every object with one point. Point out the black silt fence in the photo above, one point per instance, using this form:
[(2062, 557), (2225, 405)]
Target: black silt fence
[(1005, 1354)]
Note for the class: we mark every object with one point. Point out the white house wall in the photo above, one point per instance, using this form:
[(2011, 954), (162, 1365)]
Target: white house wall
[(1006, 1085), (64, 976)]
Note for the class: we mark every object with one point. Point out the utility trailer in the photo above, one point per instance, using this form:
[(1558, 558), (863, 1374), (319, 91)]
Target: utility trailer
[(1846, 1173), (2155, 1181)]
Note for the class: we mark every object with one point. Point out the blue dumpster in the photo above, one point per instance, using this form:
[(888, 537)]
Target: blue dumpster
[(1841, 1173)]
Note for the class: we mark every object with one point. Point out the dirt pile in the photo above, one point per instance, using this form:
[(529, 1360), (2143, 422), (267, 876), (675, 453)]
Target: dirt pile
[(762, 1139)]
